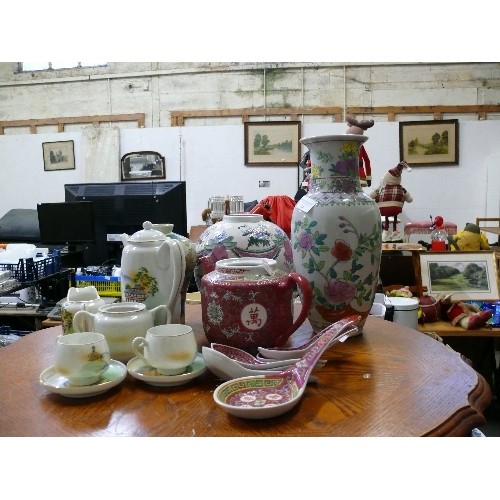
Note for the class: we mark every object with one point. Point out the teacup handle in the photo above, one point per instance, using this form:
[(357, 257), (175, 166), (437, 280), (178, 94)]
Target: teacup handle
[(137, 344), (307, 297)]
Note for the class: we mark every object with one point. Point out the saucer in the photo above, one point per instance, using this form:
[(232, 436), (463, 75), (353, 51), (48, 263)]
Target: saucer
[(58, 384), (139, 370)]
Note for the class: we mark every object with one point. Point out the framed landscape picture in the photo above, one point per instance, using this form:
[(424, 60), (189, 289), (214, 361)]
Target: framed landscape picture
[(272, 143), (467, 275), (429, 142)]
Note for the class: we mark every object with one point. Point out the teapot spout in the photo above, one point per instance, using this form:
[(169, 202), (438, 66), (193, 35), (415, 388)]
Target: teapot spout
[(124, 238)]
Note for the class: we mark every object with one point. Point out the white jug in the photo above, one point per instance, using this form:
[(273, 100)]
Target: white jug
[(120, 323), (79, 299), (152, 270)]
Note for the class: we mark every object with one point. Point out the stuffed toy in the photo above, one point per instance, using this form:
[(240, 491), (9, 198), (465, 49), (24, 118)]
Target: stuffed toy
[(400, 292), (467, 316), (469, 239), (390, 197), (305, 163), (431, 309), (358, 128)]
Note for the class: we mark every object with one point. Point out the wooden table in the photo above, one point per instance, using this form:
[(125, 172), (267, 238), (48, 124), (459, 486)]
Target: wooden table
[(22, 318), (389, 381), (446, 329), (477, 345)]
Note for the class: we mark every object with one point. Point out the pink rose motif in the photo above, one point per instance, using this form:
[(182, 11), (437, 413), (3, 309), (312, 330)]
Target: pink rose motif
[(219, 253), (340, 291), (207, 262), (288, 251), (306, 241)]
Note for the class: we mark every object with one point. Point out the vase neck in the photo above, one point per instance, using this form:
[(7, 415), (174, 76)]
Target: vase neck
[(335, 183)]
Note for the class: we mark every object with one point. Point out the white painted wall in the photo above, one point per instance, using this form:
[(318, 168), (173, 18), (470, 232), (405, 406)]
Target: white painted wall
[(211, 161)]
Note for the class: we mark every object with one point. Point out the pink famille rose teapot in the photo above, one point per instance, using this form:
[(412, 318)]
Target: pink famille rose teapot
[(248, 302)]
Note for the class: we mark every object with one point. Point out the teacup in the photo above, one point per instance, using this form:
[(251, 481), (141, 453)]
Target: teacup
[(82, 357), (169, 348)]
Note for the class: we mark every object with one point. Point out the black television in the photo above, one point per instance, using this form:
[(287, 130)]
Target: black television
[(122, 207), (66, 223)]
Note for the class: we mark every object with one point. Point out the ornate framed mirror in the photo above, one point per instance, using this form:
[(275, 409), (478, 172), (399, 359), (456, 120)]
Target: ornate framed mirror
[(142, 165)]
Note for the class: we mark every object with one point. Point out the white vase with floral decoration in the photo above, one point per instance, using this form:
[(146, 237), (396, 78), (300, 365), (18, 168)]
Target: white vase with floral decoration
[(336, 232)]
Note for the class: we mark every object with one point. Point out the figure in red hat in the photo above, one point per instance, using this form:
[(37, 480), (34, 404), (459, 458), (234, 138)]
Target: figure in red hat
[(390, 197), (358, 128), (468, 316)]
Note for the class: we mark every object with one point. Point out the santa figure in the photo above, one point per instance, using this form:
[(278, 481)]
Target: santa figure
[(358, 128), (390, 197)]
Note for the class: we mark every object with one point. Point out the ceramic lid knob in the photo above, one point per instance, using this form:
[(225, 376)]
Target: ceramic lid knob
[(147, 234)]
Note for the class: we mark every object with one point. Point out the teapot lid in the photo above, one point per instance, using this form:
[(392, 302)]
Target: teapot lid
[(147, 234)]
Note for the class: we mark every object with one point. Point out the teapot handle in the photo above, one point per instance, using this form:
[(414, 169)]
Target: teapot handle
[(307, 296), (161, 315), (179, 269), (83, 321)]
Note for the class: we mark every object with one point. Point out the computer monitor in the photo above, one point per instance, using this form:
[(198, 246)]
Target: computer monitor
[(122, 207), (68, 223)]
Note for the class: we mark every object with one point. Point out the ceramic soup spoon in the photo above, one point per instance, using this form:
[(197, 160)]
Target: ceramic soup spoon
[(272, 394), (247, 360), (227, 368), (283, 353)]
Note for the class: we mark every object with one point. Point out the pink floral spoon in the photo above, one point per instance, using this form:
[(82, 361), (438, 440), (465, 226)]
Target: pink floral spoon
[(283, 353), (270, 395), (249, 361)]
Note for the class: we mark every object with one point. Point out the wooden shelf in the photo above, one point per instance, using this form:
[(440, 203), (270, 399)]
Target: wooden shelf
[(66, 120), (178, 117)]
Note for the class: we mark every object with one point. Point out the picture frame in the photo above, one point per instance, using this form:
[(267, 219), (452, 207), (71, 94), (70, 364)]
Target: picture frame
[(424, 143), (272, 143), (58, 155), (142, 166), (466, 275)]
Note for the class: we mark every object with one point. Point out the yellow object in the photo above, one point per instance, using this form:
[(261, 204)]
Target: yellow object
[(106, 286), (193, 298), (469, 239)]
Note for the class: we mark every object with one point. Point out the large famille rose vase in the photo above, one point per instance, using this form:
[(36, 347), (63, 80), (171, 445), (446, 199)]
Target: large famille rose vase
[(336, 233), (239, 236)]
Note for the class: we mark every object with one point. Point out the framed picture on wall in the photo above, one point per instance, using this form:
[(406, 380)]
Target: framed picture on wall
[(142, 166), (432, 142), (58, 155), (272, 143), (466, 275)]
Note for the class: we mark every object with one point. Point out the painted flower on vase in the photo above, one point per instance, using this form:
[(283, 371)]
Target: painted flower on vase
[(339, 291), (346, 164), (342, 283), (341, 250), (288, 254)]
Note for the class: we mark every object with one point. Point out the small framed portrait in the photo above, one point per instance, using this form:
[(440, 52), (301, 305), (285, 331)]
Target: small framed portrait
[(58, 155)]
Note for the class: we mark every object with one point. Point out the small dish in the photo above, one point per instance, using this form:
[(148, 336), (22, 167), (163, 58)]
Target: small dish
[(141, 371), (58, 384)]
